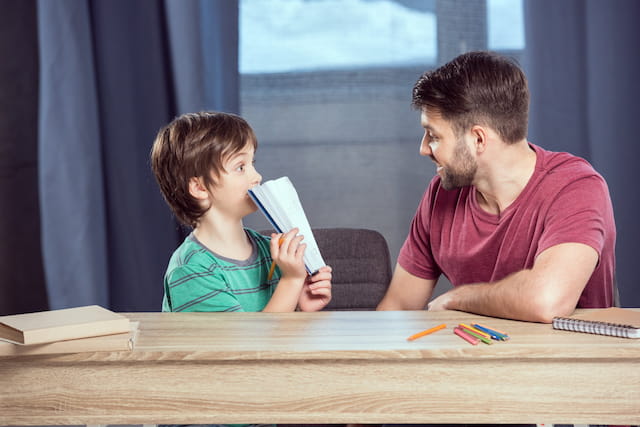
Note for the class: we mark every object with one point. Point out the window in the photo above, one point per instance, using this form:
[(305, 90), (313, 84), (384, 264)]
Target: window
[(326, 52), (326, 84)]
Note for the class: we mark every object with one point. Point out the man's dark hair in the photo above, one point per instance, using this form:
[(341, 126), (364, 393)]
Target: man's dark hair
[(477, 88)]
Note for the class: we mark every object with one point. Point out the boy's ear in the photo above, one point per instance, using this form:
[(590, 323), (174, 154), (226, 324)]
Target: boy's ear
[(198, 189)]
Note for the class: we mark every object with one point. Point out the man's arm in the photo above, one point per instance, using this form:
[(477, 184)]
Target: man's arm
[(551, 288), (406, 291)]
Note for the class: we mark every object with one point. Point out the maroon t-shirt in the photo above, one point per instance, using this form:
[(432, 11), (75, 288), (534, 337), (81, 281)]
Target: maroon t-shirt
[(565, 201)]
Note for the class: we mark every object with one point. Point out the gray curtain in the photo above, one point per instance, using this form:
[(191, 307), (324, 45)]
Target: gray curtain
[(583, 66), (112, 73)]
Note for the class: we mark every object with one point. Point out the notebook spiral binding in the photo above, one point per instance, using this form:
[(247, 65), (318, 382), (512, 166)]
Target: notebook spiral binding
[(593, 327)]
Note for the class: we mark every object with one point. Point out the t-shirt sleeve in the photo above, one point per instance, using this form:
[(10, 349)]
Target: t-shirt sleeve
[(415, 255), (579, 214), (188, 288)]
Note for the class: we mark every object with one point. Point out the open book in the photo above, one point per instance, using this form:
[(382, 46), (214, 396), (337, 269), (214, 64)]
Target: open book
[(58, 325), (279, 202), (614, 321)]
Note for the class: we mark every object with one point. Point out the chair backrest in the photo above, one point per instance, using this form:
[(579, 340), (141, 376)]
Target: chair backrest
[(361, 266)]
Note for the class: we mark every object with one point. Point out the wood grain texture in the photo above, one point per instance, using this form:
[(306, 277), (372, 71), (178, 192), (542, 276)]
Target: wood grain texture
[(328, 367)]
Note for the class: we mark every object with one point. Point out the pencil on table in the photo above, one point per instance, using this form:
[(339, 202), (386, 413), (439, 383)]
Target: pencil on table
[(476, 330), (468, 338), (426, 332), (475, 334), (503, 335)]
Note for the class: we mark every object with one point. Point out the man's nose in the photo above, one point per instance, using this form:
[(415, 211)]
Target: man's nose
[(425, 150)]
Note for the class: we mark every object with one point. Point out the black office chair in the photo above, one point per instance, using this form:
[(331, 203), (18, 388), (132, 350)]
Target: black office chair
[(361, 266)]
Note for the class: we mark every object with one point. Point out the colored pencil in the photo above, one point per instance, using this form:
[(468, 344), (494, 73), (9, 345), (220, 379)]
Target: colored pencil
[(426, 332), (468, 338), (503, 335), (273, 264), (475, 334), (478, 331), (495, 335)]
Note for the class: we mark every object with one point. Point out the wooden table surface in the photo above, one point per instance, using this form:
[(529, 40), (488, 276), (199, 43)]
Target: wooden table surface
[(328, 367)]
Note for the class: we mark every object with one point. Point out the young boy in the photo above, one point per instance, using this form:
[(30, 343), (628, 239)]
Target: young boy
[(204, 164)]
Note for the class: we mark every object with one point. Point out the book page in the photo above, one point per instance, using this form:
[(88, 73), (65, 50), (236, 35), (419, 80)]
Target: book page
[(281, 205)]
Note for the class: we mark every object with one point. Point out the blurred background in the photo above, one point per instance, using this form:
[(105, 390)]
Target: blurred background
[(326, 85)]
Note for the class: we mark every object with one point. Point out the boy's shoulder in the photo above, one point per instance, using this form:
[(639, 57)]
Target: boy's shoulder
[(190, 251)]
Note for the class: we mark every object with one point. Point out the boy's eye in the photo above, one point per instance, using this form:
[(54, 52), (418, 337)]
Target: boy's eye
[(240, 168)]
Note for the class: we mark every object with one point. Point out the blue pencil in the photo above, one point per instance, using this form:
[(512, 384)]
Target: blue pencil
[(494, 334)]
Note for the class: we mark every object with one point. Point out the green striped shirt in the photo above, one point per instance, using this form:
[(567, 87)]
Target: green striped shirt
[(199, 280)]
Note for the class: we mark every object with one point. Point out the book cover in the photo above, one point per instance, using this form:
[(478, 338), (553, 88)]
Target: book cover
[(58, 325), (613, 321), (280, 204), (114, 342)]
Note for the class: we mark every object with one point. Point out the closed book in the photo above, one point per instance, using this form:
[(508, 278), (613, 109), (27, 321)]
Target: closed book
[(59, 325), (114, 342), (279, 202), (613, 321)]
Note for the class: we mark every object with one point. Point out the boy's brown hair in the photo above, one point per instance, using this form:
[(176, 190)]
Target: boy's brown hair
[(196, 145)]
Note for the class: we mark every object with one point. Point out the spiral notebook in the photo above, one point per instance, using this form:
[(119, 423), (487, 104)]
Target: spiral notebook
[(613, 321)]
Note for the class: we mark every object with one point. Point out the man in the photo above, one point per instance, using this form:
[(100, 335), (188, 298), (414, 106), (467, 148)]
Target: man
[(521, 232)]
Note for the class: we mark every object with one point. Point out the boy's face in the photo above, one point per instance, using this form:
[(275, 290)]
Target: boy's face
[(229, 194)]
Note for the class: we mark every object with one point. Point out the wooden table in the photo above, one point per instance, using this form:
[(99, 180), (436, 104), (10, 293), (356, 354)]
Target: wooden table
[(328, 367)]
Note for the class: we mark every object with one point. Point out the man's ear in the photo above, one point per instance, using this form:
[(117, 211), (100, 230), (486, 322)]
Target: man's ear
[(480, 136), (198, 189)]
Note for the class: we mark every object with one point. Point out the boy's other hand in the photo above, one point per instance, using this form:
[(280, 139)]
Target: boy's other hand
[(287, 251), (316, 292)]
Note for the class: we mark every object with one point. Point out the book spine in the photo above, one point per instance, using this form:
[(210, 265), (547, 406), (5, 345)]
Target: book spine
[(589, 327)]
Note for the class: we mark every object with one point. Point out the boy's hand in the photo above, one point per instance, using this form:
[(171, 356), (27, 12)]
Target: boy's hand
[(288, 254), (316, 292)]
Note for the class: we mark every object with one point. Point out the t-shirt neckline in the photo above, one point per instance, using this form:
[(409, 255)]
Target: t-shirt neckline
[(497, 218)]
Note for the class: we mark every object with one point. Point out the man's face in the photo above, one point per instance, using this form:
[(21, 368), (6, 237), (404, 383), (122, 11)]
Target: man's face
[(455, 163)]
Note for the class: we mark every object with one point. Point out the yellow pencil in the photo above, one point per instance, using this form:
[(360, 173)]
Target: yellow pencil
[(273, 264), (476, 330), (426, 332)]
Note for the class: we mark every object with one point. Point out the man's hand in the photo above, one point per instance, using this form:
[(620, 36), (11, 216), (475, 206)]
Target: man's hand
[(441, 302)]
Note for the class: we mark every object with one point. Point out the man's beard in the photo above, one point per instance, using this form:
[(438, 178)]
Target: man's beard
[(462, 170)]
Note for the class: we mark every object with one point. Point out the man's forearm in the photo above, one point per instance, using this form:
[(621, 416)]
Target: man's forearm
[(518, 296)]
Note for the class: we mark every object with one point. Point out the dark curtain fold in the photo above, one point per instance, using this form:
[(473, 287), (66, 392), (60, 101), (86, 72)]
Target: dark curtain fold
[(22, 288), (114, 75), (583, 67)]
